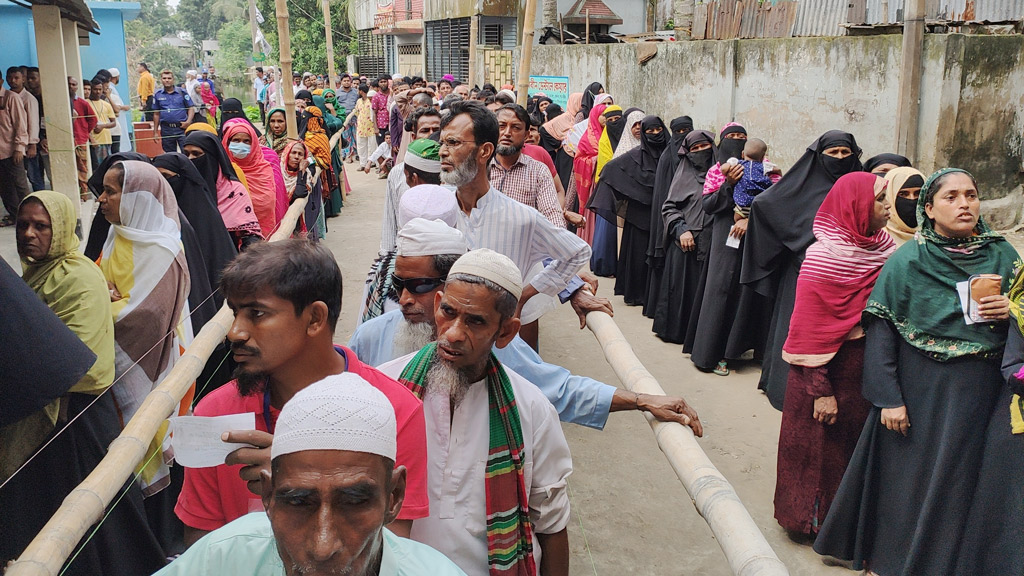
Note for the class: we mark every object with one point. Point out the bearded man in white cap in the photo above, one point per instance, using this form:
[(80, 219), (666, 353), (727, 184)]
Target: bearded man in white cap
[(429, 201), (498, 461), (426, 252), (334, 487)]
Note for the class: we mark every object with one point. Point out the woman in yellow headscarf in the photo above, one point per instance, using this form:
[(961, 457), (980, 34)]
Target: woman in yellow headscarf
[(613, 124), (77, 428)]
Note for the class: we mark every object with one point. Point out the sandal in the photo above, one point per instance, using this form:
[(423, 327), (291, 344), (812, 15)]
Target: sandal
[(722, 369), (6, 221)]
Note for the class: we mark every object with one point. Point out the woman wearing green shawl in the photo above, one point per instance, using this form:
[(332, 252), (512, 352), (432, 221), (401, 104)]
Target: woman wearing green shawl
[(333, 124), (276, 135), (933, 380), (80, 425)]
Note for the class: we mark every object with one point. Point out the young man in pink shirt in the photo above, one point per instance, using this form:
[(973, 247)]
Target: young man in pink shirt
[(286, 297)]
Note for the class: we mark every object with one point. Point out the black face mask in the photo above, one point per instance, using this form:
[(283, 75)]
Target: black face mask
[(837, 167), (701, 160), (657, 141), (907, 211), (731, 148)]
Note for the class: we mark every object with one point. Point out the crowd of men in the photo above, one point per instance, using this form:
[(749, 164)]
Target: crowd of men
[(432, 442)]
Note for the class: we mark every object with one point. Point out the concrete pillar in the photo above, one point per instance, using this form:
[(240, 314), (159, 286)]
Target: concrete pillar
[(53, 72)]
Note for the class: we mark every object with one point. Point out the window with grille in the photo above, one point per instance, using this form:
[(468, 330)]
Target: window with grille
[(447, 48), (371, 59), (410, 49), (492, 34)]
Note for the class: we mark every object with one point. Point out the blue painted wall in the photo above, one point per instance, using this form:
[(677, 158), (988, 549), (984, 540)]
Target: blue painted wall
[(106, 50)]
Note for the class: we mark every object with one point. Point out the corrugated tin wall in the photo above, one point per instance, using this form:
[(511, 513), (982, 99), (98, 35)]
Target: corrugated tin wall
[(954, 10), (820, 18)]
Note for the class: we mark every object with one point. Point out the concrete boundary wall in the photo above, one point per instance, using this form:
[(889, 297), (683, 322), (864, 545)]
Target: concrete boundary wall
[(788, 91)]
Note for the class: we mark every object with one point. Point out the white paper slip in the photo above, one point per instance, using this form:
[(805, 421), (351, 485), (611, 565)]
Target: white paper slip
[(964, 290), (196, 439), (731, 241)]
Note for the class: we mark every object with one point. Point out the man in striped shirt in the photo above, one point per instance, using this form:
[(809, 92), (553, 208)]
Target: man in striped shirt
[(518, 176), (490, 219)]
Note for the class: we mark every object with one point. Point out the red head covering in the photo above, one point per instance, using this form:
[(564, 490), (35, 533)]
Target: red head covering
[(839, 272), (586, 155), (259, 174)]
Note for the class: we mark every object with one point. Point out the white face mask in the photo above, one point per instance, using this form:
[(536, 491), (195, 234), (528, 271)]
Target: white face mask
[(239, 149)]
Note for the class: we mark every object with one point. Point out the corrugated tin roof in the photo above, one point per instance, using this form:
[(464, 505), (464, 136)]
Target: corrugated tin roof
[(820, 18)]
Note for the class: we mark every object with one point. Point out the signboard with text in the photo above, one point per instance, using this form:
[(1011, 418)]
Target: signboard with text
[(554, 87)]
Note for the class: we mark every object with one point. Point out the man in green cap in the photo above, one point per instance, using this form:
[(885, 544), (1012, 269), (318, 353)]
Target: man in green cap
[(425, 169)]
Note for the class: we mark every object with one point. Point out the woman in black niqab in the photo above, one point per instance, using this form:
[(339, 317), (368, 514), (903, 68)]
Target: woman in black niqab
[(230, 109), (682, 213), (731, 318), (894, 160), (200, 207), (667, 164), (626, 189), (777, 236), (589, 94)]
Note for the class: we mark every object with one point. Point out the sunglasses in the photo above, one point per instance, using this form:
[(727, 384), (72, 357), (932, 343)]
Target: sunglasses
[(416, 285)]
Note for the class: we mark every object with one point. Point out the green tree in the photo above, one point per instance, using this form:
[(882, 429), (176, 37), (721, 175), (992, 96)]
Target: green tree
[(235, 40)]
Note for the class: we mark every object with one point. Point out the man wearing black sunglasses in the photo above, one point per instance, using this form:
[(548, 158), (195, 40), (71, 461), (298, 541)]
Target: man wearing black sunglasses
[(426, 252)]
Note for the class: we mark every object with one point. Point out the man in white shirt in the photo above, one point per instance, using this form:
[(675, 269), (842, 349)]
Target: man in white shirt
[(490, 219), (498, 459), (259, 85), (122, 111)]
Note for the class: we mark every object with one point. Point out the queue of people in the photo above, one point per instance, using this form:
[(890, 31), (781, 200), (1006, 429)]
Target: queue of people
[(885, 314)]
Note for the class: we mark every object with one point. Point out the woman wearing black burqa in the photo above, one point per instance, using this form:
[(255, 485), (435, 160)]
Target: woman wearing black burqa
[(667, 165), (684, 244), (778, 234), (732, 318), (626, 188)]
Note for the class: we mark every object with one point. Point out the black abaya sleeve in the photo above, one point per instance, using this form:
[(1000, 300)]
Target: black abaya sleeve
[(881, 384), (719, 201), (1013, 358)]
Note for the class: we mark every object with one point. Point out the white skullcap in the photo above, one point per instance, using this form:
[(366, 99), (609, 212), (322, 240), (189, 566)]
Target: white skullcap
[(114, 72), (340, 412), (510, 93), (428, 201), (422, 237), (397, 77), (490, 265)]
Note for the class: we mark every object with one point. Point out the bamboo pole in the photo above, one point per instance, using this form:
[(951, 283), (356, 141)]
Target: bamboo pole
[(908, 107), (745, 548), (588, 25), (284, 48), (526, 53), (473, 32), (256, 48), (85, 505), (329, 32)]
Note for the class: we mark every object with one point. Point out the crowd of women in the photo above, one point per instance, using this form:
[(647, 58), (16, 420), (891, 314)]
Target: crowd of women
[(144, 285), (884, 312)]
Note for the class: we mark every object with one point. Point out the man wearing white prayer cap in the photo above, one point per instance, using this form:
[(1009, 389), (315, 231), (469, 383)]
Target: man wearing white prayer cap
[(422, 126), (426, 253), (333, 488), (429, 201), (498, 461)]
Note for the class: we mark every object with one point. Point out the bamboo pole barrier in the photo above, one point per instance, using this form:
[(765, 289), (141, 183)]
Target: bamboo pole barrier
[(714, 498), (329, 32), (284, 49), (526, 53), (85, 505)]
